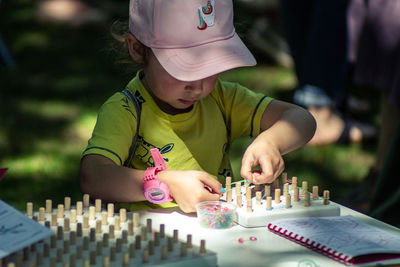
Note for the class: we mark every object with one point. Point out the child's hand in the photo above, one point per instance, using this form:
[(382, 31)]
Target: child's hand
[(268, 157), (191, 187)]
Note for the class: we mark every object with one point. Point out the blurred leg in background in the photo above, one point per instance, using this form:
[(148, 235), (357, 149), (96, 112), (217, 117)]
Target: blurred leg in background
[(73, 12), (375, 52), (316, 32)]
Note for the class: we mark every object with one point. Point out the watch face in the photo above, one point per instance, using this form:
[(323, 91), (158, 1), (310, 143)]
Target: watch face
[(156, 194)]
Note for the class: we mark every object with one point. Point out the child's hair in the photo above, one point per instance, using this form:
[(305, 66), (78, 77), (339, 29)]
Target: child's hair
[(119, 46)]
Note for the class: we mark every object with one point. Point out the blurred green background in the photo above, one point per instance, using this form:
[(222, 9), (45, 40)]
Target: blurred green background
[(64, 71)]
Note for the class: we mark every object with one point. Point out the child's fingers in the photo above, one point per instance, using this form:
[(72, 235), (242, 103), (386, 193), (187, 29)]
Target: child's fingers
[(213, 185), (270, 170), (245, 170)]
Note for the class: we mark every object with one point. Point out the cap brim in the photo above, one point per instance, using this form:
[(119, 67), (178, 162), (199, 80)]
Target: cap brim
[(199, 62)]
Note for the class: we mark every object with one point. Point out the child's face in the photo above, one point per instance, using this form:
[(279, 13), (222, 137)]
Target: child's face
[(171, 95)]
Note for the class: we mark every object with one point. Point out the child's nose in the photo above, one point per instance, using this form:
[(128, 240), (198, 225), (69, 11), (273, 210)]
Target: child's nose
[(195, 86)]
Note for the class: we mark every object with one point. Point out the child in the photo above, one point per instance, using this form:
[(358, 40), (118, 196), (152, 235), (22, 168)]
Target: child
[(187, 112)]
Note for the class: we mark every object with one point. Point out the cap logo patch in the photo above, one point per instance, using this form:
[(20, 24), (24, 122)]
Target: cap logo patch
[(206, 15)]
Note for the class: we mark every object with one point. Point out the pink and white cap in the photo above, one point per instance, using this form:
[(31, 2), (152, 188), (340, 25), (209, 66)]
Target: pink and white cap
[(192, 39)]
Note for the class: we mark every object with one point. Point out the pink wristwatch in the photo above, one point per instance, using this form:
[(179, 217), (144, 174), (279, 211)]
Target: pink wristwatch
[(156, 191)]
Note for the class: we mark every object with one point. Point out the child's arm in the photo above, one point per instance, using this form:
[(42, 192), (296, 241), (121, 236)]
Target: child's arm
[(284, 128), (102, 178)]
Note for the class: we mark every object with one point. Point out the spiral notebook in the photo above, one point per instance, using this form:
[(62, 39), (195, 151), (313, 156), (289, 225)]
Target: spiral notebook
[(342, 238)]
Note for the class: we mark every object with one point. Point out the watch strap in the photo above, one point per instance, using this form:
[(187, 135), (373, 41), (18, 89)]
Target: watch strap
[(159, 161)]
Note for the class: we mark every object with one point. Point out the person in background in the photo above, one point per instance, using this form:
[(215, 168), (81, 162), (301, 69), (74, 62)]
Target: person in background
[(374, 50), (316, 31)]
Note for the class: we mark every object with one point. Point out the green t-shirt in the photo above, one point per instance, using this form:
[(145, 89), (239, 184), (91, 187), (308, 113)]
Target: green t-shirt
[(196, 140)]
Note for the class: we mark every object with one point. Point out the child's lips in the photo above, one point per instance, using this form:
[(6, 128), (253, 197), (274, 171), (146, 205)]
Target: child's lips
[(188, 102)]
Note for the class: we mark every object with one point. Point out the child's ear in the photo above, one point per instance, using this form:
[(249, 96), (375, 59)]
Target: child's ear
[(136, 48)]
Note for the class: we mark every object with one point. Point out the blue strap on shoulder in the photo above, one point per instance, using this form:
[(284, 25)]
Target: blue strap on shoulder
[(132, 149)]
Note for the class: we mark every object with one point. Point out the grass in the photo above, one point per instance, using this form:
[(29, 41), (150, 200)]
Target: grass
[(49, 102)]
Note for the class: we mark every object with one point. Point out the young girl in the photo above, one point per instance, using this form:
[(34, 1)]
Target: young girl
[(189, 117)]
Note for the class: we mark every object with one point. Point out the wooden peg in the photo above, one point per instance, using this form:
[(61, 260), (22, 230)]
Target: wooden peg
[(60, 211), (149, 225), (60, 232), (170, 243), (132, 250), (122, 215), (104, 218), (228, 189), (315, 192), (49, 207), (41, 214), (144, 233), (110, 210), (175, 236), (29, 209), (98, 226), (105, 239), (145, 256), (86, 200), (284, 177), (239, 200), (269, 203), (125, 259), (162, 230), (288, 203), (189, 241), (98, 205), (249, 205), (106, 261), (285, 188), (130, 228), (72, 237), (238, 188), (92, 234), (164, 253), (275, 183), (92, 257), (304, 187), (138, 241), (135, 219), (73, 215), (151, 247), (326, 197), (294, 182), (258, 198), (111, 231), (183, 249), (248, 193), (277, 195), (202, 246), (67, 203), (117, 223), (157, 239), (79, 231), (307, 199), (118, 245), (124, 236), (92, 212), (66, 225), (267, 190), (112, 254), (296, 194), (85, 222), (79, 208)]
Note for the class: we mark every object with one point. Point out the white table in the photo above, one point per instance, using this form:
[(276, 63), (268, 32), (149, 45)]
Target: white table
[(269, 249)]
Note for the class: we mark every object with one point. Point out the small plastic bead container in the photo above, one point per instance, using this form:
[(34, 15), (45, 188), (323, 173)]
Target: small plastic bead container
[(216, 214)]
